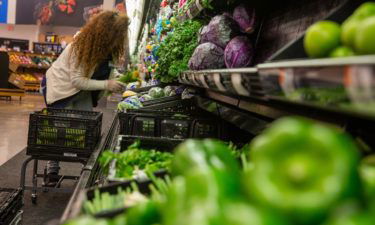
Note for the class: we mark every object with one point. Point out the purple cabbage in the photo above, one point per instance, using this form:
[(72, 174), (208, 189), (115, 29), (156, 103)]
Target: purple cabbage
[(219, 31), (207, 56), (239, 52), (245, 17)]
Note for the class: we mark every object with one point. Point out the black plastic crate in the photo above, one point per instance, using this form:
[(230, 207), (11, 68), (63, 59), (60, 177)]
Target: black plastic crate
[(10, 203), (168, 125), (161, 100), (181, 106), (63, 133), (158, 144), (112, 189)]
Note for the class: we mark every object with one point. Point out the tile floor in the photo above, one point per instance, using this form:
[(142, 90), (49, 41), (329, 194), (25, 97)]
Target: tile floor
[(14, 121)]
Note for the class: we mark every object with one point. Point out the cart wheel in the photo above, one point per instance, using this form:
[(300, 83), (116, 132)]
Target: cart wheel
[(34, 198)]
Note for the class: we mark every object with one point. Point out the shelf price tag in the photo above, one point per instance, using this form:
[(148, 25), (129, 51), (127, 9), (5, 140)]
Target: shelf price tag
[(286, 81), (359, 81)]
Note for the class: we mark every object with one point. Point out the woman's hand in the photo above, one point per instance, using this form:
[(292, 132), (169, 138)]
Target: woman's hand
[(115, 86)]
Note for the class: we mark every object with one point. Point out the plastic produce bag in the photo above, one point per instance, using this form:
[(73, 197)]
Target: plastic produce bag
[(145, 97), (156, 92), (130, 103)]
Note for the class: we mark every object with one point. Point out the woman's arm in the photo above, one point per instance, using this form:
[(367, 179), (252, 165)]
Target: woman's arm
[(81, 82)]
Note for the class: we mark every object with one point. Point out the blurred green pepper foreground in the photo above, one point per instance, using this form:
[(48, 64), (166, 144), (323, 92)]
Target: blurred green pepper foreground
[(299, 172)]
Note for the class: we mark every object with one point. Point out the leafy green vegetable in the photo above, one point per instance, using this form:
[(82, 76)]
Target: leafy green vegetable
[(174, 53), (105, 201), (134, 159), (128, 77)]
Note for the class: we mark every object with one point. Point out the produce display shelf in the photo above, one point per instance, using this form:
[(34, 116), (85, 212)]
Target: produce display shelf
[(88, 194), (272, 109), (194, 10), (91, 173), (243, 81), (344, 84), (240, 118), (340, 85), (14, 67)]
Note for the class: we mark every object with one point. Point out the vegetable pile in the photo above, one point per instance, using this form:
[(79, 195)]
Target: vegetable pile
[(354, 37), (300, 172), (174, 53), (221, 41), (132, 101), (136, 163)]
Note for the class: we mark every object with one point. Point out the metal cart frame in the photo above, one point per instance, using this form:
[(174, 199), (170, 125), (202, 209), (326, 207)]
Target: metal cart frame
[(35, 176)]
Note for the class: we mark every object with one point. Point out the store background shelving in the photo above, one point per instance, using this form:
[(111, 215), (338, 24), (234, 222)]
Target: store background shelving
[(25, 70)]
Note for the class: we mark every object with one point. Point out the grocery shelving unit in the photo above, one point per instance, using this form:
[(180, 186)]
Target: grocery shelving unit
[(281, 82), (23, 66)]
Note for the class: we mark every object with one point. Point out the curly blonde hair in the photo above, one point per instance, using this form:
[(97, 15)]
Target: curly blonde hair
[(103, 36)]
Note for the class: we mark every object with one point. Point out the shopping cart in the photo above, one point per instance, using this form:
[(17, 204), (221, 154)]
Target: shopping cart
[(59, 135)]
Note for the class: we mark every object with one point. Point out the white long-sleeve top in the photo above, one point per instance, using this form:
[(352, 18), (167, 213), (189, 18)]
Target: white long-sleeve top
[(64, 79)]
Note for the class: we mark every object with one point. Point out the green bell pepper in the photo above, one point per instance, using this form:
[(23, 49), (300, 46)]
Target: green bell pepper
[(351, 212), (243, 213), (86, 220), (147, 213), (202, 198), (302, 169), (203, 155), (212, 159)]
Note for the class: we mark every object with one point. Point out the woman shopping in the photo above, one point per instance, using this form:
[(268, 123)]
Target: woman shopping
[(82, 71)]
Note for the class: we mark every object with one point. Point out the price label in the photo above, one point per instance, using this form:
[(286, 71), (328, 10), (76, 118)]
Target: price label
[(67, 154)]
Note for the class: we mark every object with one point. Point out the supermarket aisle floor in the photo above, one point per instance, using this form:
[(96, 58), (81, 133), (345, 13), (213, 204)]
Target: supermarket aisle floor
[(14, 121), (50, 205)]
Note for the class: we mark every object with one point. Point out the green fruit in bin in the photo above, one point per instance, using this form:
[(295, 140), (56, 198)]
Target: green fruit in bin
[(350, 25), (303, 169), (366, 10), (365, 36), (349, 30), (341, 51), (321, 38)]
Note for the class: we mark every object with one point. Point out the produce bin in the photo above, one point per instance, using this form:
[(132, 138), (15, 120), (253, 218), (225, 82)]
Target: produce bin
[(168, 125), (112, 189), (17, 220), (10, 204), (159, 144), (63, 133)]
